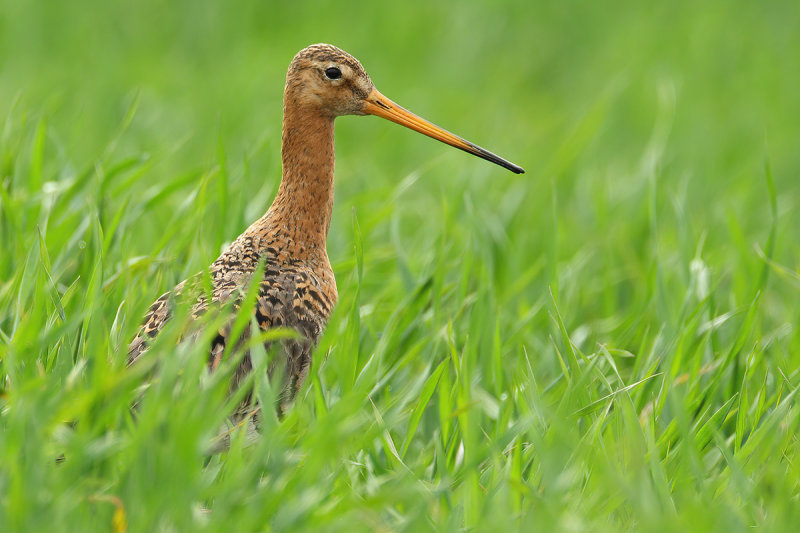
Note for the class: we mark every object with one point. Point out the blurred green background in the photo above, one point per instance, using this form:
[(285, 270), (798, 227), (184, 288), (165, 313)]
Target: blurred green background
[(653, 237), (588, 97)]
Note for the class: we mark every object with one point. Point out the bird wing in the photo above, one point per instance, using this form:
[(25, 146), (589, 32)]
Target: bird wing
[(157, 315), (289, 296)]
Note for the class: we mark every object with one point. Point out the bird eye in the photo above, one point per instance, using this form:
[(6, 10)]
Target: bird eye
[(333, 73)]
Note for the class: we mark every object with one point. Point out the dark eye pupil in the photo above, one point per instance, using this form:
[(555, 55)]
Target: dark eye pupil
[(333, 73)]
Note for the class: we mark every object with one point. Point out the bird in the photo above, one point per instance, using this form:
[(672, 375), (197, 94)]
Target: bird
[(287, 245)]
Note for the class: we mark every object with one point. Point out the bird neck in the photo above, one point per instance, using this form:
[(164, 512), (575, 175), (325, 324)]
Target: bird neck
[(304, 203)]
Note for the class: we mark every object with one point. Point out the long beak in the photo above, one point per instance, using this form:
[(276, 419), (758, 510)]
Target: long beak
[(379, 105)]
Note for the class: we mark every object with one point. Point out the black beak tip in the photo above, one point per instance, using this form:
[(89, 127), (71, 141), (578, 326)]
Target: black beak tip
[(516, 169)]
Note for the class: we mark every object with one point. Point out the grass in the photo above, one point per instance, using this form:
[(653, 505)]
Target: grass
[(606, 343)]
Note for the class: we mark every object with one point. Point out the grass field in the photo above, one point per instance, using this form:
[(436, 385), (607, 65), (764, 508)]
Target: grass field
[(608, 342)]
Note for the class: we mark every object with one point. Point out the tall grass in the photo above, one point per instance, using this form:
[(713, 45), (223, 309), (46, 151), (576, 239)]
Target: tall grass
[(606, 343)]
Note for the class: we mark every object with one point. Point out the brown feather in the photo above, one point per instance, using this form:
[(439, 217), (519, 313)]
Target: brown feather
[(298, 289)]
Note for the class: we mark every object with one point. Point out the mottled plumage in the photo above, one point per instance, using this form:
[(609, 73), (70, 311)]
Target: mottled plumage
[(298, 289)]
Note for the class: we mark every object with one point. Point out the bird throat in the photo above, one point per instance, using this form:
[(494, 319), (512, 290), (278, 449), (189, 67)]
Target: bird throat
[(304, 203)]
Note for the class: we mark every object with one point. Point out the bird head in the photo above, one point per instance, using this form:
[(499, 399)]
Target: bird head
[(332, 82), (329, 80)]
